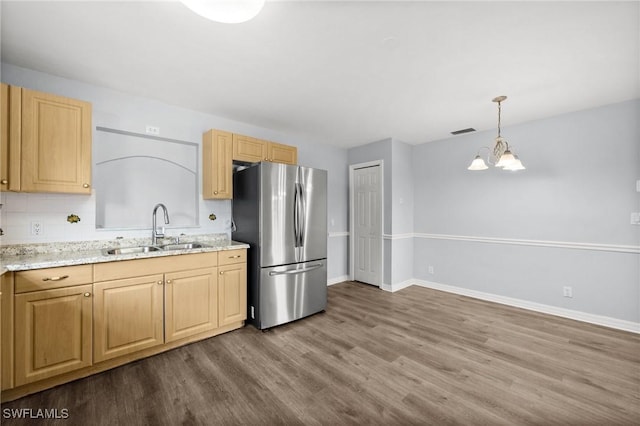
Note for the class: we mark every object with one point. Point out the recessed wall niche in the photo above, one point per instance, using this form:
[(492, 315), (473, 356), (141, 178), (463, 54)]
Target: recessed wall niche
[(134, 172)]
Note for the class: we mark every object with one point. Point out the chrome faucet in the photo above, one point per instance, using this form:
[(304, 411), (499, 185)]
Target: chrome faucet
[(154, 231)]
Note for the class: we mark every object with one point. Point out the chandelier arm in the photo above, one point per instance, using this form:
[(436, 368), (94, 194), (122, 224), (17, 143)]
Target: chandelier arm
[(488, 154)]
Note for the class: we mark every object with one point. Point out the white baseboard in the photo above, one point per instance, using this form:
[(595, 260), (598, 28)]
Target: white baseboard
[(618, 324), (397, 287), (337, 280)]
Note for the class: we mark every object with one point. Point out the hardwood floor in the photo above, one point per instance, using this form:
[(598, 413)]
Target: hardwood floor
[(417, 356)]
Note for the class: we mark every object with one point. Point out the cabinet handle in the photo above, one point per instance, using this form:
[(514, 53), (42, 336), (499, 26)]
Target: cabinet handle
[(55, 278), (235, 257), (4, 181), (159, 282), (87, 294), (85, 185)]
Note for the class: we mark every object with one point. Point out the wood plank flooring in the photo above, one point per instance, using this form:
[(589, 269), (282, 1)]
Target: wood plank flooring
[(417, 356)]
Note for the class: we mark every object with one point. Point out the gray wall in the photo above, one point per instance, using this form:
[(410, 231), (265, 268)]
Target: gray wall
[(121, 111), (579, 187)]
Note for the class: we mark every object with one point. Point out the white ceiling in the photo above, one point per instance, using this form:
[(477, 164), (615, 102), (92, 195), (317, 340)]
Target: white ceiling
[(346, 73)]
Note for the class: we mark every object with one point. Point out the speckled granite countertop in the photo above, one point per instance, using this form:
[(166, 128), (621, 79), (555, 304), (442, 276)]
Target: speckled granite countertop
[(25, 257)]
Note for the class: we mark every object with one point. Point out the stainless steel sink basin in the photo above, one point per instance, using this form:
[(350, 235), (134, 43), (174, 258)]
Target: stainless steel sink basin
[(130, 250), (148, 249), (183, 246)]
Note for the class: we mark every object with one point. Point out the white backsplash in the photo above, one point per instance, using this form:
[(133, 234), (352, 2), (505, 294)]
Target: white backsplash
[(20, 210)]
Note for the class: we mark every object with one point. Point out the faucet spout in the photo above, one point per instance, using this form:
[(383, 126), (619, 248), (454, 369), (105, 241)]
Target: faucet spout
[(154, 230)]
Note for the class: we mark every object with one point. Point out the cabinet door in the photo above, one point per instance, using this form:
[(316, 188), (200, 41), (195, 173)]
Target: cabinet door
[(127, 316), (248, 149), (191, 303), (232, 291), (10, 112), (217, 165), (279, 153), (56, 144), (7, 330), (52, 332)]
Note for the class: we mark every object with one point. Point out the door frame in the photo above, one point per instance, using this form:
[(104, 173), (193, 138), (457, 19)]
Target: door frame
[(352, 169)]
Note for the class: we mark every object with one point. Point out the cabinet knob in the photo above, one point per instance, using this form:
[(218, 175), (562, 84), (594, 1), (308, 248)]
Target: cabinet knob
[(4, 181), (87, 294), (221, 272), (85, 185), (168, 281), (215, 192), (160, 282)]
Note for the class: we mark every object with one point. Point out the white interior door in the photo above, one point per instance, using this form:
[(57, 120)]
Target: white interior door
[(367, 214)]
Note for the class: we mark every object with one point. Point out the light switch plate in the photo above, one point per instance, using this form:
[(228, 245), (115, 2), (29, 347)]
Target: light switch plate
[(635, 218), (638, 185)]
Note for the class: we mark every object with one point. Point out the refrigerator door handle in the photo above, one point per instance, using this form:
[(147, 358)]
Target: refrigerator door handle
[(296, 271), (296, 218), (298, 215), (303, 214)]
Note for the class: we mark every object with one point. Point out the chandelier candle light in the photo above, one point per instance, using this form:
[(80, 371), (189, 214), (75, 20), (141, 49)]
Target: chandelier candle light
[(506, 160)]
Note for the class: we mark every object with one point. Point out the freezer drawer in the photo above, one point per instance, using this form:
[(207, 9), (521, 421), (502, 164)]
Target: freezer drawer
[(291, 292)]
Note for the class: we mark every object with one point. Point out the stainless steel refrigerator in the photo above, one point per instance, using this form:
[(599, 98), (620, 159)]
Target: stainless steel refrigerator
[(281, 212)]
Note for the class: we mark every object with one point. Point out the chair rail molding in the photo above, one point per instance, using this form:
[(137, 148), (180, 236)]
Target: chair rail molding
[(539, 243)]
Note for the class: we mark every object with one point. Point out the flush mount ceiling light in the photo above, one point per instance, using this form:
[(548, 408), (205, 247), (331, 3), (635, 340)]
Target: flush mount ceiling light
[(226, 11), (501, 156)]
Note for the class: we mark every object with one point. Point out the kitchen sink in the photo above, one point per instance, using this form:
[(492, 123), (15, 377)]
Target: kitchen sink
[(184, 246), (131, 250), (148, 249)]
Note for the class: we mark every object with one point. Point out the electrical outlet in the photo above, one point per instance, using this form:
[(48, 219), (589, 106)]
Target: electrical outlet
[(431, 269), (152, 130), (36, 228), (567, 291)]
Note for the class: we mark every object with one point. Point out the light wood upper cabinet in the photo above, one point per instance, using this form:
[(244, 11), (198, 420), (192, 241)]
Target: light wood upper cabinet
[(52, 332), (56, 144), (10, 112), (279, 153), (191, 303), (217, 165), (232, 287), (248, 149), (252, 150), (128, 316)]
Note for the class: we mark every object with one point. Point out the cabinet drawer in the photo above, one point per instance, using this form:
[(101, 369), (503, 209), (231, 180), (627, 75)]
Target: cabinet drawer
[(45, 279), (227, 257)]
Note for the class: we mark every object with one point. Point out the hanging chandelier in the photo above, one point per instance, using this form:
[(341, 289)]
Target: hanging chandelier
[(226, 11), (501, 156)]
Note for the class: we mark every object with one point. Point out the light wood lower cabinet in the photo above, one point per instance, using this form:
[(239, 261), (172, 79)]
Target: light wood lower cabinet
[(53, 332), (232, 290), (127, 316), (191, 303), (57, 326)]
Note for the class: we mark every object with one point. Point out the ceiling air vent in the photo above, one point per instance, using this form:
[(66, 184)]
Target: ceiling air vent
[(461, 131)]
